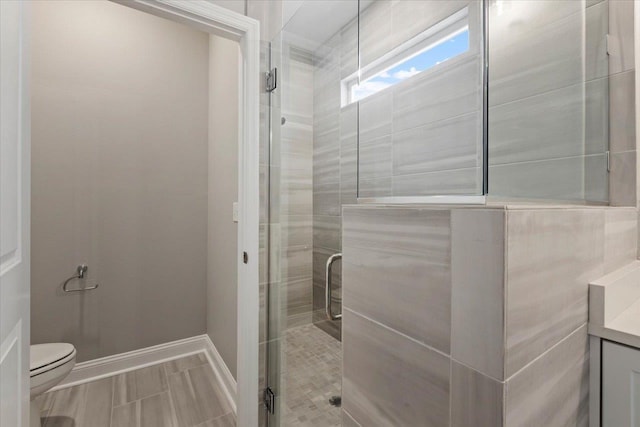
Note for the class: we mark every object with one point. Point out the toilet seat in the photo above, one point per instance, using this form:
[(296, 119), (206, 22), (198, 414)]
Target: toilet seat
[(50, 364), (46, 357)]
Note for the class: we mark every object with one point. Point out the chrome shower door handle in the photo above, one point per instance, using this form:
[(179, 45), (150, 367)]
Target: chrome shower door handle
[(328, 288)]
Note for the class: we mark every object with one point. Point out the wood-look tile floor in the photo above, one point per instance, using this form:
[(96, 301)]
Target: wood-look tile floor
[(313, 374), (179, 393)]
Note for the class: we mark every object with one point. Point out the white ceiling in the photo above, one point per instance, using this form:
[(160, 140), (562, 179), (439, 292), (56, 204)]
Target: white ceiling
[(310, 23)]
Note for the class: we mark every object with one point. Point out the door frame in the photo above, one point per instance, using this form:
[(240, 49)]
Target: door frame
[(214, 19)]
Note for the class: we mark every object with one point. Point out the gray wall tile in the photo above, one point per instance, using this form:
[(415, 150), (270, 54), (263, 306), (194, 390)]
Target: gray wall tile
[(543, 305), (432, 96), (620, 238), (543, 52), (554, 389), (448, 144), (596, 178), (597, 115), (478, 289), (459, 181), (596, 27), (375, 158), (476, 400), (561, 179), (402, 257), (621, 56), (546, 126), (622, 111), (391, 380), (622, 179)]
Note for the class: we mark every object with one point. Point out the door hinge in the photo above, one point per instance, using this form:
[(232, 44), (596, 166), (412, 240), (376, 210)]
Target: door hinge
[(269, 399), (608, 161), (271, 80), (245, 257)]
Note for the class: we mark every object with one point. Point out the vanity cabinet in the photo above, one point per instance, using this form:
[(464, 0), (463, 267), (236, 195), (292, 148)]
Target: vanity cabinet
[(620, 385)]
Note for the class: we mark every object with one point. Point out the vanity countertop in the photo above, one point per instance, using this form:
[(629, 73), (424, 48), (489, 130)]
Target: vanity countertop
[(614, 306)]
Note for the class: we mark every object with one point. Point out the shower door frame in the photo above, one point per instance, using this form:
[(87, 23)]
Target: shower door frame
[(214, 19)]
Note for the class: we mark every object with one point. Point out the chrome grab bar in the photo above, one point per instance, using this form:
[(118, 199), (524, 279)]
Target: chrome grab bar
[(327, 288), (80, 272)]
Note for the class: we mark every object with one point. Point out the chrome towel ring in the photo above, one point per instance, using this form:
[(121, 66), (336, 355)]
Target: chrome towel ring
[(80, 272)]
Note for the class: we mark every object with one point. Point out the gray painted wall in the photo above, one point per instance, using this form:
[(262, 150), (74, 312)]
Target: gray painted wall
[(222, 249), (119, 146)]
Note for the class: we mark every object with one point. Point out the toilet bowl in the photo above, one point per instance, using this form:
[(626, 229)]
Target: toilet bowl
[(50, 364)]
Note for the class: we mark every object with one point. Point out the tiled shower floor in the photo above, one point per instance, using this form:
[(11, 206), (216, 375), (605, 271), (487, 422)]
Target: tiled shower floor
[(313, 374), (179, 393)]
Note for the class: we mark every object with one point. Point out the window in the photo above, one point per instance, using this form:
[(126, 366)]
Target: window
[(445, 40)]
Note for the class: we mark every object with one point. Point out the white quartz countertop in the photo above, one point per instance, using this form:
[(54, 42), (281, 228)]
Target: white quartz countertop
[(614, 306)]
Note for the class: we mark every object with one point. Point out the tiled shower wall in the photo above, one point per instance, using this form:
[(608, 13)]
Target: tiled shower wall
[(296, 168), (549, 115), (548, 104), (622, 129), (473, 316), (409, 143)]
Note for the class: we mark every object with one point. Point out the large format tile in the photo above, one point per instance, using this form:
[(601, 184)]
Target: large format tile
[(554, 389), (196, 396), (596, 178), (458, 181), (543, 52), (545, 126), (552, 255), (478, 290), (299, 301), (429, 97), (295, 192), (156, 411), (390, 379), (622, 179), (443, 145), (99, 400), (374, 158), (597, 114), (411, 17), (348, 421), (378, 187), (296, 230), (326, 232), (400, 256), (476, 400), (554, 179), (228, 420), (596, 30), (127, 415), (622, 125), (375, 32), (620, 237), (375, 115), (621, 51), (326, 197), (142, 398), (67, 407)]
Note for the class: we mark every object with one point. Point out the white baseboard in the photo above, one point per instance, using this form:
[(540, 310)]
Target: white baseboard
[(104, 367), (225, 378)]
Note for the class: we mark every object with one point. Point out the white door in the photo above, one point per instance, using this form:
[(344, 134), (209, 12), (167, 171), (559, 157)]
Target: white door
[(14, 215)]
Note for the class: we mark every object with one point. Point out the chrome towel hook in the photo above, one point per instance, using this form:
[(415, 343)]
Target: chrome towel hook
[(80, 273)]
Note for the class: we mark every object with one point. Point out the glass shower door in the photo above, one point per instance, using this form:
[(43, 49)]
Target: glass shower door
[(312, 144)]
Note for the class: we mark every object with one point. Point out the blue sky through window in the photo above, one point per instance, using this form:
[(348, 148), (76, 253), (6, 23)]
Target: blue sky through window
[(446, 49)]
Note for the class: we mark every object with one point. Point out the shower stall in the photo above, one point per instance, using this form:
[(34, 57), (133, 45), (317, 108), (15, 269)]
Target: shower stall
[(412, 101)]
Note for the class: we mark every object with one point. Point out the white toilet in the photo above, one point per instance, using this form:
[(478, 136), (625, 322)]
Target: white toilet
[(50, 364)]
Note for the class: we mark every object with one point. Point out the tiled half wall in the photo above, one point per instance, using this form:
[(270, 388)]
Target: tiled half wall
[(473, 316)]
